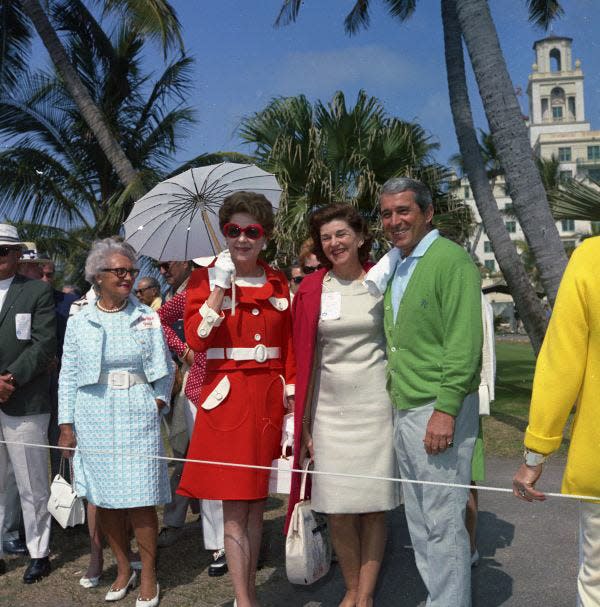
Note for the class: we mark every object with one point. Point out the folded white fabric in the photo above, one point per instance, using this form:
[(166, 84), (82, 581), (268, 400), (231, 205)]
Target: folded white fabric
[(382, 272)]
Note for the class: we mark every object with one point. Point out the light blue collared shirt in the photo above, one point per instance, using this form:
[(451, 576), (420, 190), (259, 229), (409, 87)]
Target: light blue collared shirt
[(405, 268)]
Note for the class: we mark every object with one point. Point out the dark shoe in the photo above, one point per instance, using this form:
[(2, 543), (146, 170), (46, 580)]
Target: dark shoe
[(36, 570), (219, 565), (16, 546), (2, 567)]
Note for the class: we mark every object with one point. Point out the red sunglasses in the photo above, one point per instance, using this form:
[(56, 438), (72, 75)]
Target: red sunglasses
[(254, 231)]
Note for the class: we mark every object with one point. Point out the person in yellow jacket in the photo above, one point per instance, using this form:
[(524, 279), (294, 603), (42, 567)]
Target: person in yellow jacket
[(567, 374)]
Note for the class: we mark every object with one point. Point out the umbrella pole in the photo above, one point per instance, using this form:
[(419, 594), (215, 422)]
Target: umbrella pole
[(217, 248)]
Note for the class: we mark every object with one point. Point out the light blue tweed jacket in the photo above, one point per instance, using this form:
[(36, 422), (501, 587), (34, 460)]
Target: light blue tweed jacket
[(82, 355)]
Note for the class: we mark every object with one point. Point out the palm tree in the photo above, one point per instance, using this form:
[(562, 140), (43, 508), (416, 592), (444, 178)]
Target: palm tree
[(576, 200), (548, 247), (55, 176), (151, 17), (324, 153), (481, 181)]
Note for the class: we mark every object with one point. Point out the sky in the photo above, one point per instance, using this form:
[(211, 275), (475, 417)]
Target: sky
[(242, 61)]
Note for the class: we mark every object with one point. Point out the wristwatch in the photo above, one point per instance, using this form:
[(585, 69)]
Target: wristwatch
[(533, 459)]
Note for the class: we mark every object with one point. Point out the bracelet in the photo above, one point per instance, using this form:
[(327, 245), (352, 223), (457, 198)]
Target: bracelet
[(183, 356)]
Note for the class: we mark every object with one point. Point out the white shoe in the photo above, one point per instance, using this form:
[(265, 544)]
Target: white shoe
[(117, 595), (89, 582), (153, 602)]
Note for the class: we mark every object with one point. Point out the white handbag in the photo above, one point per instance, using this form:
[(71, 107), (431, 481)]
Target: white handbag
[(64, 505), (280, 479), (307, 545)]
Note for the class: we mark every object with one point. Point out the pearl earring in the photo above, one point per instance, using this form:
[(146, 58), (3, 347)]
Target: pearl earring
[(264, 247)]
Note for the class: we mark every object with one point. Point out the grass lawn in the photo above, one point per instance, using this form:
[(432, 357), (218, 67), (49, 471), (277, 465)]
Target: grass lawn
[(504, 429)]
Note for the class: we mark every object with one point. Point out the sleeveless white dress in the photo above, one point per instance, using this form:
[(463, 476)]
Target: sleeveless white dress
[(351, 410)]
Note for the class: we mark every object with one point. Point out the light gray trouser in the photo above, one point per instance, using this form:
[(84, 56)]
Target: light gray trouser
[(30, 465), (211, 510), (12, 513), (588, 580), (436, 514)]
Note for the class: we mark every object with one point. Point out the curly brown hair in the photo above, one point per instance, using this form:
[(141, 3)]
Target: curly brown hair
[(248, 202), (344, 212)]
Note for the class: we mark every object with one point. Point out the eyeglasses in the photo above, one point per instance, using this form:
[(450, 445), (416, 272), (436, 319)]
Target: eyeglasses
[(297, 279), (311, 269), (254, 231), (138, 291), (164, 266), (4, 251), (122, 272)]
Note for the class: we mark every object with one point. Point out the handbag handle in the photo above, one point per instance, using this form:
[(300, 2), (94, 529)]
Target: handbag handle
[(61, 469), (305, 468)]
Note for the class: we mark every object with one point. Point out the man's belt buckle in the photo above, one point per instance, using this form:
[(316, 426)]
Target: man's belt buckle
[(260, 353), (119, 380)]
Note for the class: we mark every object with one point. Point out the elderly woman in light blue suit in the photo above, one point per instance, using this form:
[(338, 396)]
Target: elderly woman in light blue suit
[(115, 383)]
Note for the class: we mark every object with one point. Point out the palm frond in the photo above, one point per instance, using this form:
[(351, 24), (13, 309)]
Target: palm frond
[(288, 13), (543, 12), (15, 43), (576, 200), (401, 9), (155, 19), (358, 18)]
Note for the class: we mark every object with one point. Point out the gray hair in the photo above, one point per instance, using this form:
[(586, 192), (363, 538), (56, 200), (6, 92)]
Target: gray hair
[(100, 252), (396, 185), (152, 282)]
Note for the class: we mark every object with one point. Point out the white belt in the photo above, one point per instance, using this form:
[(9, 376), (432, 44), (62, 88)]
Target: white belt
[(259, 353), (122, 380)]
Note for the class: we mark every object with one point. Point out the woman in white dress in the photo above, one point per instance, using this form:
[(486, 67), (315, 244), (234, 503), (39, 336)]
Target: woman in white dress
[(345, 410)]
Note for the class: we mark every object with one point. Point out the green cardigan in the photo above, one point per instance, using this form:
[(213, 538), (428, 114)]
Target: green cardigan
[(434, 347)]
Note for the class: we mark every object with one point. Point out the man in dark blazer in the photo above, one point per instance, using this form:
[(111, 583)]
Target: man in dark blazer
[(28, 338)]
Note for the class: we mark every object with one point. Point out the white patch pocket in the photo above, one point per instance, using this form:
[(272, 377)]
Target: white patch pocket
[(218, 395), (23, 326), (279, 303)]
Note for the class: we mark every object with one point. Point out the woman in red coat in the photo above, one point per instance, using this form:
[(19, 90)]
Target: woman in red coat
[(245, 333)]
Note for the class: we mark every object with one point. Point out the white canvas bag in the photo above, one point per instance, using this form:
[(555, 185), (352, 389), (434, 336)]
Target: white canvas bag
[(307, 545), (64, 505)]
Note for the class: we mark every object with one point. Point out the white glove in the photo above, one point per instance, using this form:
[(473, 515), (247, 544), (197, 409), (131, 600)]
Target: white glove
[(224, 269)]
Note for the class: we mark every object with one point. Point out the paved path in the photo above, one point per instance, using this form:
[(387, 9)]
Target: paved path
[(528, 555)]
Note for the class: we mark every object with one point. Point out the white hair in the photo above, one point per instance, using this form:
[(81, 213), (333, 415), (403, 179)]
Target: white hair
[(100, 252)]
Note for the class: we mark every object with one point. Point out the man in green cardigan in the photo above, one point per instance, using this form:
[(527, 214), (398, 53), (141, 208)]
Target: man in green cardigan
[(28, 338), (433, 328)]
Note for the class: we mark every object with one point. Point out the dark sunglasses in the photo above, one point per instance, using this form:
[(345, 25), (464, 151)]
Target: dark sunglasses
[(122, 272), (254, 231), (297, 279), (311, 269), (142, 290), (4, 251)]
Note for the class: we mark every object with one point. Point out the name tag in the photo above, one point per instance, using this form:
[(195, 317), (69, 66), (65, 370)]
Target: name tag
[(331, 306), (23, 326), (148, 322)]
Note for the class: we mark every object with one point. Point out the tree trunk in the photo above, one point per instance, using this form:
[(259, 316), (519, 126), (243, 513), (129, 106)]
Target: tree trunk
[(529, 306), (90, 113), (512, 142)]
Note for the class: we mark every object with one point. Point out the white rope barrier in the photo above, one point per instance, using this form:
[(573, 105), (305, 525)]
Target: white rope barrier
[(321, 472)]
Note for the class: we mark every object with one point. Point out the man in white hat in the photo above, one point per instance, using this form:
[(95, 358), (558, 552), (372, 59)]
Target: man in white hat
[(28, 337)]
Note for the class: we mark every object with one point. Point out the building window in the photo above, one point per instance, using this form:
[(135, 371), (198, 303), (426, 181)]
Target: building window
[(593, 152), (564, 154), (567, 225), (594, 174), (487, 247), (564, 176), (490, 265), (509, 207), (511, 227), (467, 192), (557, 113)]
